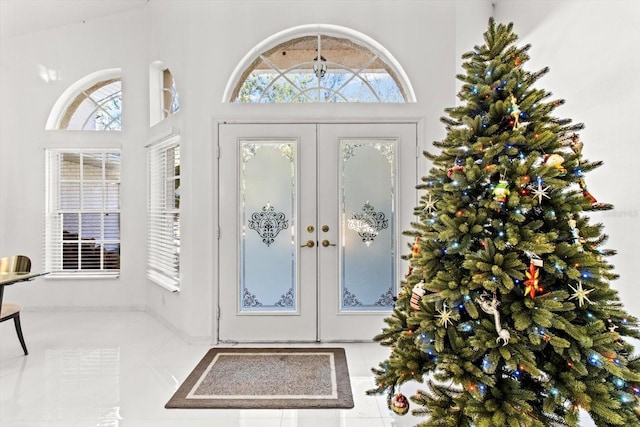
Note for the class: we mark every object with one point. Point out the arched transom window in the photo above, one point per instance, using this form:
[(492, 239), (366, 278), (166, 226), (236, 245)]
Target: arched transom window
[(319, 63), (98, 107), (92, 103)]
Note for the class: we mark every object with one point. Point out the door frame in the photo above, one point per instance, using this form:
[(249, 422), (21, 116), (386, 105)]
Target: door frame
[(421, 163)]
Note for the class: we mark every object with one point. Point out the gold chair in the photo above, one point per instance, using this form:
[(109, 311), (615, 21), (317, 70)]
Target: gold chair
[(13, 264)]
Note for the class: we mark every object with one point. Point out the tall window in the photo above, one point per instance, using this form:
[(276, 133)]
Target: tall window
[(163, 212), (171, 102), (322, 63), (83, 212), (164, 100)]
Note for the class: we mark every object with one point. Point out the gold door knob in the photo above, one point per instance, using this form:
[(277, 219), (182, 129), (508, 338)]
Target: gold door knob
[(326, 243), (309, 244)]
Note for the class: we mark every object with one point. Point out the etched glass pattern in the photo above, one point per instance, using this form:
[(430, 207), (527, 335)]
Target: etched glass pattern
[(267, 214), (368, 224)]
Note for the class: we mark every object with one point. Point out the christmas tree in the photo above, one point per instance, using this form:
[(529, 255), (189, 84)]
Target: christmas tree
[(506, 316)]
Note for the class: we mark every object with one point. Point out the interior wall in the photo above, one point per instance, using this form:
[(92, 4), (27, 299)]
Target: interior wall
[(590, 48), (35, 69), (217, 36), (202, 41)]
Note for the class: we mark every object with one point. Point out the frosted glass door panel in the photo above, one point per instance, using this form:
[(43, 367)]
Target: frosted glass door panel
[(368, 222), (310, 222), (267, 241)]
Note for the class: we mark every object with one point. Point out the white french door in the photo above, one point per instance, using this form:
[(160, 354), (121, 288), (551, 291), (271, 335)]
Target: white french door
[(311, 221)]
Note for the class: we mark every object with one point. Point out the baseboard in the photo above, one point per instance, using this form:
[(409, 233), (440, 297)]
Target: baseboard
[(198, 340), (74, 309)]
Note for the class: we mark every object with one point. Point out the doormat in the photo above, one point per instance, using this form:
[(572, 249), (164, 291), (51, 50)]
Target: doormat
[(267, 378)]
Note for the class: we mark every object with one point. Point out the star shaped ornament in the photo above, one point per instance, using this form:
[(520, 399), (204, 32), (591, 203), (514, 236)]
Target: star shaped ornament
[(445, 316), (430, 204), (580, 294), (540, 192), (532, 284)]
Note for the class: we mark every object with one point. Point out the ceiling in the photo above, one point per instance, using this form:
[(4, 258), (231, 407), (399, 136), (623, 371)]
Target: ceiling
[(18, 17)]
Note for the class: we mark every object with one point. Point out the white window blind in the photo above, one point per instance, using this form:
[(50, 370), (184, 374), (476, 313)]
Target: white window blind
[(163, 212), (82, 218)]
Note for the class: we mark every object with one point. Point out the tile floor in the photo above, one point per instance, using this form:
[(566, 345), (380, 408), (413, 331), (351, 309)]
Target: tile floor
[(118, 369)]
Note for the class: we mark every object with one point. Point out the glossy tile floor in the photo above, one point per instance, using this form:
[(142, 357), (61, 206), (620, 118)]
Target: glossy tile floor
[(118, 369)]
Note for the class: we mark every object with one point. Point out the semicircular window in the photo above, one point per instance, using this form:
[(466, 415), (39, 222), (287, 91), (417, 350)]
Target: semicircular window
[(98, 107), (319, 68)]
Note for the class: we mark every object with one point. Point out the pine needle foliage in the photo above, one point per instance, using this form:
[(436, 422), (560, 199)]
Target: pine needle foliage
[(507, 315)]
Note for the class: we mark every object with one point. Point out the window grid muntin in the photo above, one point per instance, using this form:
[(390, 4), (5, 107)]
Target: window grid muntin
[(99, 107), (170, 97), (57, 243), (92, 102), (278, 73)]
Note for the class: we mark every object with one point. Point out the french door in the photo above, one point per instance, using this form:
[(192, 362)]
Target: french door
[(311, 221)]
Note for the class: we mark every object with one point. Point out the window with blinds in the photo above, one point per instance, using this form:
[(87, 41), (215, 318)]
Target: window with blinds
[(163, 212), (83, 212)]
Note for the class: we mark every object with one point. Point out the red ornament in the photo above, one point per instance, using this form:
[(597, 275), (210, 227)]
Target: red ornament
[(409, 272), (452, 170), (400, 404), (586, 193)]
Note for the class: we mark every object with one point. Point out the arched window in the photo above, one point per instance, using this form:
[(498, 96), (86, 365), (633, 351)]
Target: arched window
[(319, 63), (82, 204), (164, 100), (92, 103)]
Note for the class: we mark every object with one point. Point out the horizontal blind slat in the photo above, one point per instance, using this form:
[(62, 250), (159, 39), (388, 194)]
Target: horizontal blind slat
[(82, 216), (163, 215)]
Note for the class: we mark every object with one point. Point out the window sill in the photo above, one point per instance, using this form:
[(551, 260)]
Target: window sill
[(58, 275), (165, 282)]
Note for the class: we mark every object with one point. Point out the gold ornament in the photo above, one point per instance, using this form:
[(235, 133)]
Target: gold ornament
[(556, 161)]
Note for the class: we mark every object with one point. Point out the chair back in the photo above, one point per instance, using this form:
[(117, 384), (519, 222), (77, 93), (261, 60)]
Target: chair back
[(15, 264)]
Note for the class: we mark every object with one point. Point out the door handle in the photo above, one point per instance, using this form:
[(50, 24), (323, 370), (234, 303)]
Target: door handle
[(309, 244), (326, 243)]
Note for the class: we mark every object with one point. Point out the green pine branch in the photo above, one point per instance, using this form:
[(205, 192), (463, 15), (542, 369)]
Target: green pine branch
[(507, 314)]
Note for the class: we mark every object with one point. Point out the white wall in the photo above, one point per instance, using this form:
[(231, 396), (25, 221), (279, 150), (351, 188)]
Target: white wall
[(202, 58), (202, 41), (65, 55)]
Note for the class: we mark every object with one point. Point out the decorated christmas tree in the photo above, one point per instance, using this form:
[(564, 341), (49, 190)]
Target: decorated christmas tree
[(506, 316)]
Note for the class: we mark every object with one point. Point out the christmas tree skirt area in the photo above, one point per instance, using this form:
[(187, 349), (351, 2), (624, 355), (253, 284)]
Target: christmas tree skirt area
[(267, 378)]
